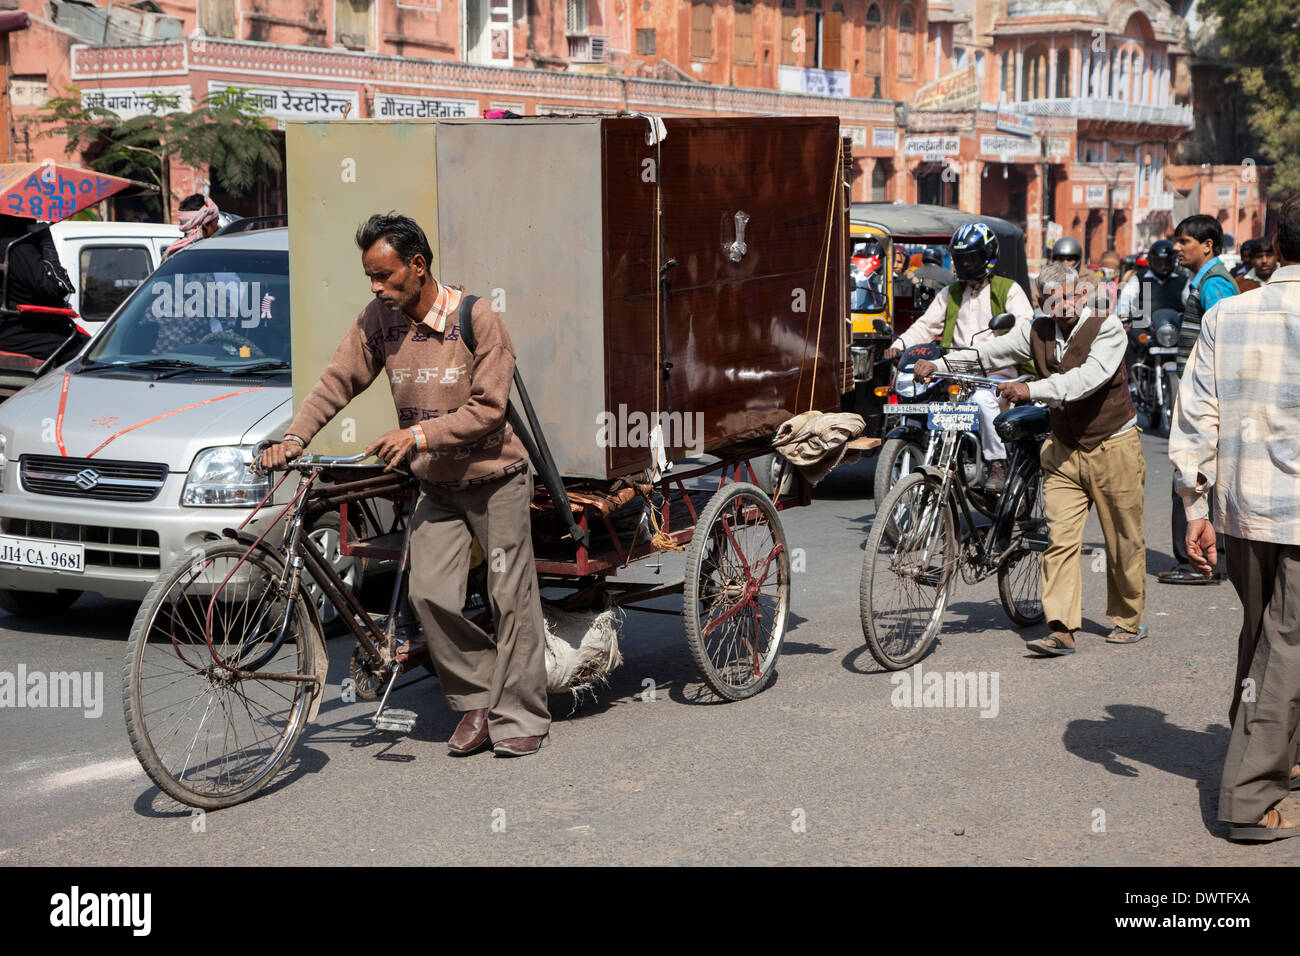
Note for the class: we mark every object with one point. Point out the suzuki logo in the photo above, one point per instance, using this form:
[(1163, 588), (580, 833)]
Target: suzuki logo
[(87, 478)]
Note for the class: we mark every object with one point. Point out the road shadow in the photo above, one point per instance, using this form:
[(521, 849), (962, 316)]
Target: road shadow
[(1132, 733)]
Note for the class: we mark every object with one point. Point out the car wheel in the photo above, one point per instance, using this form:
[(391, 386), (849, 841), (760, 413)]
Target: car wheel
[(324, 534), (37, 603)]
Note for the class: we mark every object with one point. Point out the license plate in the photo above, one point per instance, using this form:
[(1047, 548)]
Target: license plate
[(1163, 350), (955, 418), (922, 409), (50, 555)]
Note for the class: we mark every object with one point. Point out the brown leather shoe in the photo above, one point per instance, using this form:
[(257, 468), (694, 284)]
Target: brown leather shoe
[(471, 734), (520, 746)]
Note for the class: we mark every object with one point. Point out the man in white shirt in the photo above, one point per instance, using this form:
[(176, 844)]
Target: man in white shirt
[(1093, 457), (959, 317)]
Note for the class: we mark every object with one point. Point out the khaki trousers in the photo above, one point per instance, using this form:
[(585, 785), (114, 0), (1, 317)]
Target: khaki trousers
[(1265, 711), (508, 675), (1111, 476)]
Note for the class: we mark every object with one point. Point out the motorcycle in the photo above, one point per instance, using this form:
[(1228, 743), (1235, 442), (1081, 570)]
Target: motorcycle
[(912, 443), (1153, 374)]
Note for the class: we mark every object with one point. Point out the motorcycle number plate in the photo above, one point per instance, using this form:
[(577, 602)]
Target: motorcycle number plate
[(955, 418), (921, 409), (1163, 350)]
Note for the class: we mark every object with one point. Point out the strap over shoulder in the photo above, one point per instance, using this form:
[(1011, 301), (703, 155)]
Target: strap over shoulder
[(467, 322)]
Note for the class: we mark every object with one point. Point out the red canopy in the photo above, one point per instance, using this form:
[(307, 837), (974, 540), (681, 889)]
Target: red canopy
[(54, 191)]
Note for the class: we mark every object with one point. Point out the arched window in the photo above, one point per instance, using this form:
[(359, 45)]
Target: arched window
[(879, 182), (1114, 74), (1033, 84), (1126, 76), (906, 42), (1063, 73), (1008, 76), (874, 61)]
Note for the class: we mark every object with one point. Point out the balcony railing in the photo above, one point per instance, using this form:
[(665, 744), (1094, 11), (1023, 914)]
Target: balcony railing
[(1111, 110)]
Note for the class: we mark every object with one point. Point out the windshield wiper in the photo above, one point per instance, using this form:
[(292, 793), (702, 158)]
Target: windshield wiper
[(259, 367), (177, 366)]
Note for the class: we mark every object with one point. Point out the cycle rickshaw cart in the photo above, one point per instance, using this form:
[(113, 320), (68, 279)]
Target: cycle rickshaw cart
[(227, 663)]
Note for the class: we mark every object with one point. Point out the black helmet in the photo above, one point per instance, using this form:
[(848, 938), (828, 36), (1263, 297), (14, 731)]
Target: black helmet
[(932, 256), (1160, 257), (974, 250), (1067, 247)]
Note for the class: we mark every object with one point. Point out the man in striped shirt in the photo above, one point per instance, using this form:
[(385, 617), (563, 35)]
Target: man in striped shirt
[(1236, 438)]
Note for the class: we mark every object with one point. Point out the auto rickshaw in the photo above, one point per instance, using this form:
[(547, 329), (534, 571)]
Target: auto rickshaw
[(881, 309)]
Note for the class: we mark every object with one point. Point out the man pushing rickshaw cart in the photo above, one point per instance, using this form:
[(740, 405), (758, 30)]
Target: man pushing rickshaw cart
[(694, 285)]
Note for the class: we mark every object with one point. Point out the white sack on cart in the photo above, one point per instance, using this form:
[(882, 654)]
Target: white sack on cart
[(581, 649)]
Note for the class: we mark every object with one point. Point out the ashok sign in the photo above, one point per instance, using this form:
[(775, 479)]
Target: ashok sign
[(959, 90)]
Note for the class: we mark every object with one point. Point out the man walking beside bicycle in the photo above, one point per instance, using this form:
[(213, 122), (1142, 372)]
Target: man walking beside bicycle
[(473, 473), (961, 312), (1093, 456)]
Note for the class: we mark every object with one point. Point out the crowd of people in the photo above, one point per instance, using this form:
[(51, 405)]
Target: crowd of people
[(1233, 444)]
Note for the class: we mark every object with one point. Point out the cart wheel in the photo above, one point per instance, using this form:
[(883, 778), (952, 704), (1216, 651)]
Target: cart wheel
[(737, 595)]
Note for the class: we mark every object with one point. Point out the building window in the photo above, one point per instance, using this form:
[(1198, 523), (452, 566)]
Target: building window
[(354, 24), (788, 24), (645, 42), (1008, 77), (575, 17), (701, 29), (833, 38), (812, 30), (1114, 74), (744, 33), (1063, 73), (1033, 85), (879, 182), (906, 42), (217, 18), (873, 63)]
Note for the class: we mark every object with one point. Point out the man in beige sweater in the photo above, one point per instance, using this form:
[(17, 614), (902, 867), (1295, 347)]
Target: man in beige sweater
[(473, 473)]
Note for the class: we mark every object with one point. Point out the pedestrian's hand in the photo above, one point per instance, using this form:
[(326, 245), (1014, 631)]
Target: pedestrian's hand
[(891, 353), (277, 457), (923, 369), (393, 447), (1202, 546), (1014, 392)]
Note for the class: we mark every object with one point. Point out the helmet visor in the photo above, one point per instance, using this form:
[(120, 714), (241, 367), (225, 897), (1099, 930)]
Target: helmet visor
[(969, 266)]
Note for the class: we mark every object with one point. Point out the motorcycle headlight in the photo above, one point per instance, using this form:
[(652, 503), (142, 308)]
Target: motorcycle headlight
[(220, 478), (1167, 335), (907, 386)]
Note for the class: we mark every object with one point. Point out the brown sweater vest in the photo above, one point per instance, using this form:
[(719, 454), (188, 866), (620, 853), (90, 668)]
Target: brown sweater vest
[(1094, 418)]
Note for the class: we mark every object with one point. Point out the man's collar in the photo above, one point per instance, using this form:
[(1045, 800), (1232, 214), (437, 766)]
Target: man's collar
[(1285, 274), (1205, 267), (436, 318)]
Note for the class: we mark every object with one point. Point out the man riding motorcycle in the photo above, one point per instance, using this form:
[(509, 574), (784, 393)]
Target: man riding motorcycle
[(1154, 295), (960, 313), (1067, 249)]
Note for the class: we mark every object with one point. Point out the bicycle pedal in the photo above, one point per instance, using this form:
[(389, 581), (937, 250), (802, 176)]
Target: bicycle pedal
[(395, 721)]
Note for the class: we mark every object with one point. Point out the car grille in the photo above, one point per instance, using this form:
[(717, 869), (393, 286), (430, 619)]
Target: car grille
[(91, 478), (105, 547)]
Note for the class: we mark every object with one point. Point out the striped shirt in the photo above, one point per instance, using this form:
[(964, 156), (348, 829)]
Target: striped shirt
[(1237, 418)]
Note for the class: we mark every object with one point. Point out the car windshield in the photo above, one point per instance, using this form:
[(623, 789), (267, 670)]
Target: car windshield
[(216, 308)]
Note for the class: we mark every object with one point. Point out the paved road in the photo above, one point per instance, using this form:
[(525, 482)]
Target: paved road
[(1111, 756)]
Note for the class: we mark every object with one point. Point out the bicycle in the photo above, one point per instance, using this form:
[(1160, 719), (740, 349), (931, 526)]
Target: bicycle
[(226, 661), (915, 546)]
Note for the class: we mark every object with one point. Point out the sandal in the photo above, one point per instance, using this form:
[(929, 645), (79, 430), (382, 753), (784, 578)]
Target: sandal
[(1121, 636), (1295, 777), (1271, 827), (1050, 646)]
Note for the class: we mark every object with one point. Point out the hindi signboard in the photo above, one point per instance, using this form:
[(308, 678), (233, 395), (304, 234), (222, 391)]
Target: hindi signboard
[(393, 106), (882, 137), (129, 102), (1095, 195), (291, 102), (996, 144), (1009, 121), (795, 79), (959, 90), (932, 147)]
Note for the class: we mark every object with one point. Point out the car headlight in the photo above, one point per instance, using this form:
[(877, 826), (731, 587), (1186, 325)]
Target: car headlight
[(220, 478), (1167, 335)]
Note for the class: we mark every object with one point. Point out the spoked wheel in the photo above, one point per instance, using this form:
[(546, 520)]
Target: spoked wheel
[(1020, 580), (906, 583), (898, 458), (737, 595), (325, 535), (207, 736)]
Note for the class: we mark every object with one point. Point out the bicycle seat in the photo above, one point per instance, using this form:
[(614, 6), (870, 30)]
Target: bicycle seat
[(1024, 421)]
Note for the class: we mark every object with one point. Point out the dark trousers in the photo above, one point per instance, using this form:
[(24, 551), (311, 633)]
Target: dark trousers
[(1178, 531), (1265, 711)]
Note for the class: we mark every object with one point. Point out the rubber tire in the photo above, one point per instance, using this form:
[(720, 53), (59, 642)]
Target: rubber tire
[(132, 704), (38, 603), (1015, 492), (1167, 413), (691, 603), (889, 453), (874, 542), (765, 470)]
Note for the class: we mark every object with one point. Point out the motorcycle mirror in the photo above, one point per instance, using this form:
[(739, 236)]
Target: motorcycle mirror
[(1002, 321)]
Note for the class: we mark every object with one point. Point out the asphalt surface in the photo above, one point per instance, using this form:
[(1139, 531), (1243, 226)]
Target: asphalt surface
[(1111, 756)]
